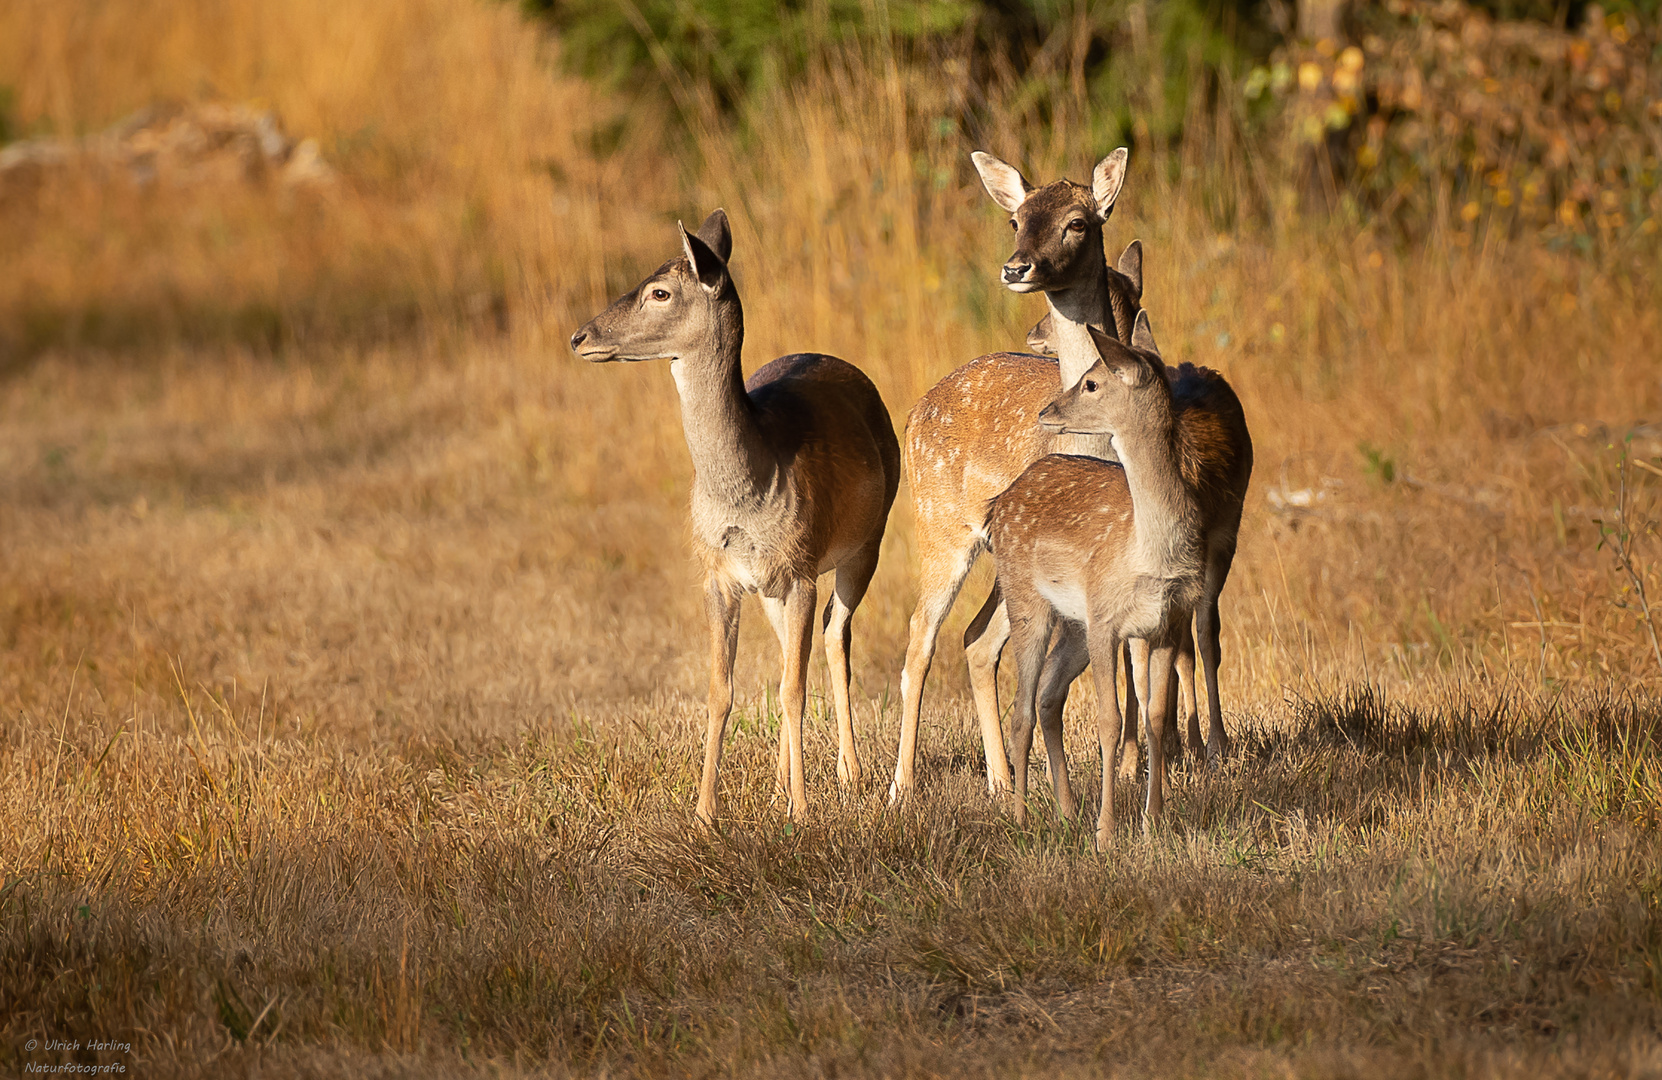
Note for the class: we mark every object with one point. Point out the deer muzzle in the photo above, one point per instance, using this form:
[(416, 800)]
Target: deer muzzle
[(583, 343)]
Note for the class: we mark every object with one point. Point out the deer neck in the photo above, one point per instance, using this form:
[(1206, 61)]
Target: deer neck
[(732, 462), (1165, 513), (1085, 302), (1075, 353)]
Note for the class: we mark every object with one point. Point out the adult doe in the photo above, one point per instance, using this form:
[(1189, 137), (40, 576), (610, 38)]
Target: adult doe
[(794, 472), (975, 430)]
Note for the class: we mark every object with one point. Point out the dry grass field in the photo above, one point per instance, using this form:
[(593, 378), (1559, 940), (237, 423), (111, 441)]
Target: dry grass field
[(351, 650)]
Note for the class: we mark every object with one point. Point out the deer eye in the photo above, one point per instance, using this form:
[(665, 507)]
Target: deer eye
[(1076, 225), (1013, 224), (660, 294), (1090, 386)]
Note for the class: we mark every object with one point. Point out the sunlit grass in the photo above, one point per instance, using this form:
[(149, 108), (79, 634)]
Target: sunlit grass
[(351, 678)]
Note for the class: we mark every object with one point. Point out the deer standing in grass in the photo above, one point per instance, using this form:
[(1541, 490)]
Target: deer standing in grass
[(975, 430), (1217, 451), (794, 472), (951, 495), (1117, 551)]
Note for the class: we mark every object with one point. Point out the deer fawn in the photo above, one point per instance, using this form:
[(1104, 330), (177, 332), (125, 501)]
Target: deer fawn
[(975, 430), (1219, 448), (1115, 549), (794, 472)]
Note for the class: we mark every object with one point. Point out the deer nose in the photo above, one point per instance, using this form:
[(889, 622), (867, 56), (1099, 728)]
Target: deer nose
[(1014, 272), (578, 339)]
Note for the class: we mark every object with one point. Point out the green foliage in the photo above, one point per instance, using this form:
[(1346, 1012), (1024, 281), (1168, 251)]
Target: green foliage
[(1378, 463), (735, 47), (739, 49), (1568, 13)]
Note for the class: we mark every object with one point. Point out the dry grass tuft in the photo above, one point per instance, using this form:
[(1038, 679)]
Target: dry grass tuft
[(351, 682)]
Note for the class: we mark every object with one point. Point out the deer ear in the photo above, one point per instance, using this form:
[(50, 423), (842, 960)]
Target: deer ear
[(1131, 265), (1008, 187), (1107, 179), (1041, 338), (1142, 335), (1104, 343), (716, 233), (1121, 362), (706, 266)]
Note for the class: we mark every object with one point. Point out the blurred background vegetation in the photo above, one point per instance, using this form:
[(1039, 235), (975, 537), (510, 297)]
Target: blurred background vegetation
[(1545, 110), (1404, 120)]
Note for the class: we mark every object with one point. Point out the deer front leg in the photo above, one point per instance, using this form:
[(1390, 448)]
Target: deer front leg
[(782, 767), (1105, 654), (721, 609), (774, 609), (984, 640)]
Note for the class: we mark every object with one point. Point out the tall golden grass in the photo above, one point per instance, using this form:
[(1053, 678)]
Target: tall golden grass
[(350, 666)]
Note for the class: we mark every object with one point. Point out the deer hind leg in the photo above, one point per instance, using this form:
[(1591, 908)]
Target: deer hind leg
[(1069, 655), (792, 617), (1187, 713), (983, 642), (1211, 656), (774, 609), (1133, 660), (1030, 631), (1105, 654), (943, 576), (1208, 631), (852, 579), (1137, 701), (1160, 661), (1173, 732), (721, 608)]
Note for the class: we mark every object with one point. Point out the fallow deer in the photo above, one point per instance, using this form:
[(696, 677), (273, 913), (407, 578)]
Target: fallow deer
[(1116, 550), (975, 430), (1218, 449), (794, 472)]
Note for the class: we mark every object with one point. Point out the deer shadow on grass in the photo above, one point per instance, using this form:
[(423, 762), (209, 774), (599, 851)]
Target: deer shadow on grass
[(1353, 756)]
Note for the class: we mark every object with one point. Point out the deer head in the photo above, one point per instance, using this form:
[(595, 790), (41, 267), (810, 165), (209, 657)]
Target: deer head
[(679, 309), (1042, 338), (1058, 227), (1117, 391)]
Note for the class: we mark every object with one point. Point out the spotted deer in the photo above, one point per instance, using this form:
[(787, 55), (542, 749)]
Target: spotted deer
[(794, 472), (975, 430), (1116, 550)]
